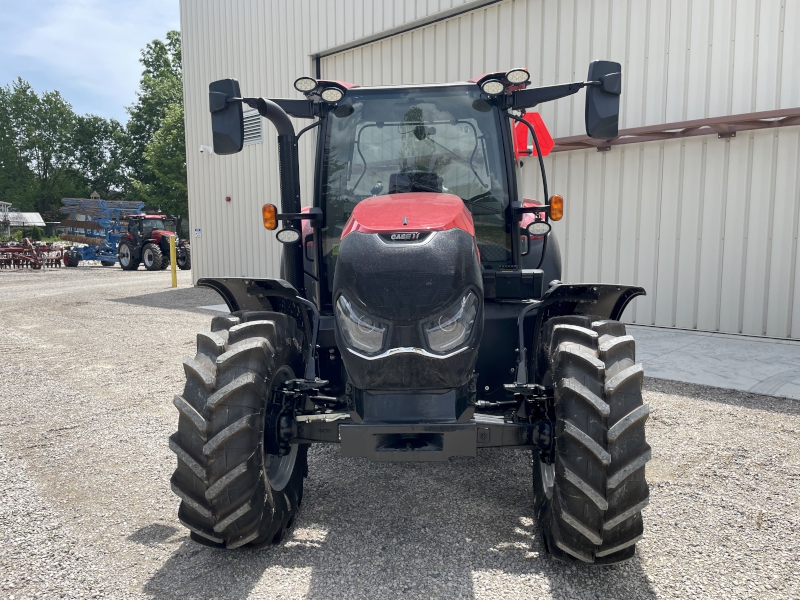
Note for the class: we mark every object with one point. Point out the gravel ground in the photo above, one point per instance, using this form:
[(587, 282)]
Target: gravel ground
[(91, 357)]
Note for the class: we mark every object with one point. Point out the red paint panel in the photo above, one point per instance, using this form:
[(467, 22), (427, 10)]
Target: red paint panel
[(424, 211), (521, 134)]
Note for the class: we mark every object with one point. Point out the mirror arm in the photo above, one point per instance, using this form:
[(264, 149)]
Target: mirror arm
[(530, 98), (544, 174)]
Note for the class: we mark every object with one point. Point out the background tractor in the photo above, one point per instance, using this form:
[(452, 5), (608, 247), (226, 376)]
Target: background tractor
[(420, 316), (147, 242)]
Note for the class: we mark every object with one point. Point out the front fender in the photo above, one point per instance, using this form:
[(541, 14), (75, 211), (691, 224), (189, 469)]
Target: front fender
[(600, 299), (277, 295), (606, 301), (244, 293)]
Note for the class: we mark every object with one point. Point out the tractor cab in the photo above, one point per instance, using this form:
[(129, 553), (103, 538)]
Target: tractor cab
[(384, 142), (147, 227)]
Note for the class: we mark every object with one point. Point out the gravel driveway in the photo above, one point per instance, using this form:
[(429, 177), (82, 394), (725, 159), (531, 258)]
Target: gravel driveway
[(91, 357)]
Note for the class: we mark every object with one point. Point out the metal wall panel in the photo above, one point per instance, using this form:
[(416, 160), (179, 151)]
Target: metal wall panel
[(708, 226)]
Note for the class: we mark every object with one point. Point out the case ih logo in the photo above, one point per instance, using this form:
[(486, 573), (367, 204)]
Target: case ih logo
[(404, 237)]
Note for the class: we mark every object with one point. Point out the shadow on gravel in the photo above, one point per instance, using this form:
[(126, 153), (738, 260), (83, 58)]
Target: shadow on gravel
[(737, 398), (372, 530), (151, 535), (188, 299)]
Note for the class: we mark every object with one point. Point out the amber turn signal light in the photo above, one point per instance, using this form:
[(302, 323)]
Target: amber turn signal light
[(270, 215), (556, 207)]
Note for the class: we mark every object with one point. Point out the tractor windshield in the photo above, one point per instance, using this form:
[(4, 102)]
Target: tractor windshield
[(152, 224), (386, 141)]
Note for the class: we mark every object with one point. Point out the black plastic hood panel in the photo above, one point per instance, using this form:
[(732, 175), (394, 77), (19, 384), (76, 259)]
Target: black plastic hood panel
[(406, 281), (403, 283)]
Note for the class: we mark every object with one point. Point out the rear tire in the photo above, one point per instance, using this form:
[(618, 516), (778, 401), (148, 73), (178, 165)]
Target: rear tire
[(71, 259), (233, 493), (589, 501), (185, 261), (107, 263), (152, 257), (125, 255)]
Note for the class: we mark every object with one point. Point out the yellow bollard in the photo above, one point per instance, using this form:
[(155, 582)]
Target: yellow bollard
[(173, 262)]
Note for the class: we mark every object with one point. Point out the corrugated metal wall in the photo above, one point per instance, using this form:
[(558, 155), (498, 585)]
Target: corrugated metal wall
[(708, 226)]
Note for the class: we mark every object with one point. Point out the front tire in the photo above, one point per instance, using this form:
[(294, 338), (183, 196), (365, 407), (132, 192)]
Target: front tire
[(125, 256), (152, 257), (589, 499), (233, 492)]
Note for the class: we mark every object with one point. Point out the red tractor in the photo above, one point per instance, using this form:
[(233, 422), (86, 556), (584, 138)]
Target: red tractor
[(147, 241), (420, 316)]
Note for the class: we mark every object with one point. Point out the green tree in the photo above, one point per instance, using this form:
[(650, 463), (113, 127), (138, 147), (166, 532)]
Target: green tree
[(160, 87), (97, 147), (17, 181), (156, 155), (48, 152), (165, 165), (42, 127)]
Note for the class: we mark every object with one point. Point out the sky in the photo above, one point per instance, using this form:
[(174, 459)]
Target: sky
[(86, 49)]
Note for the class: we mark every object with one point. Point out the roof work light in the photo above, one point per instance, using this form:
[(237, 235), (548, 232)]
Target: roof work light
[(306, 85)]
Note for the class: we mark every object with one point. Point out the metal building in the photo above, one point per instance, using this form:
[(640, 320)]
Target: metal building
[(698, 201)]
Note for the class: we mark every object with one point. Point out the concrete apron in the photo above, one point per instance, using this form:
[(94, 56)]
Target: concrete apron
[(752, 364), (737, 362)]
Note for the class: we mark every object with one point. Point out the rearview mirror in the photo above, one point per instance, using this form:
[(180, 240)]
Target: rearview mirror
[(602, 101), (227, 121)]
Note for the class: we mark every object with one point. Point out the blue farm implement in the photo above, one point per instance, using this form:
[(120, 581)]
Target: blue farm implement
[(96, 225)]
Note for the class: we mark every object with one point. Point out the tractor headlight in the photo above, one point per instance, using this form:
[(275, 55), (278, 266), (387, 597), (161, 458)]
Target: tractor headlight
[(453, 327), (361, 331)]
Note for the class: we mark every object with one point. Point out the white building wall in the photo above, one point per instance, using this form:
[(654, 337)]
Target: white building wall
[(709, 227)]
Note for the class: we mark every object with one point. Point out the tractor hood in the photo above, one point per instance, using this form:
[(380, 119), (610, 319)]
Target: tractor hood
[(409, 213), (408, 293)]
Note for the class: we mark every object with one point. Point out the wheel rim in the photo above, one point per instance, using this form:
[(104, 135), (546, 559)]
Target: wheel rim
[(547, 476), (279, 469), (148, 257), (124, 255)]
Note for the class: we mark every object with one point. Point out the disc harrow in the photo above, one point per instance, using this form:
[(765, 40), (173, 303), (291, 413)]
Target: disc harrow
[(30, 255)]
